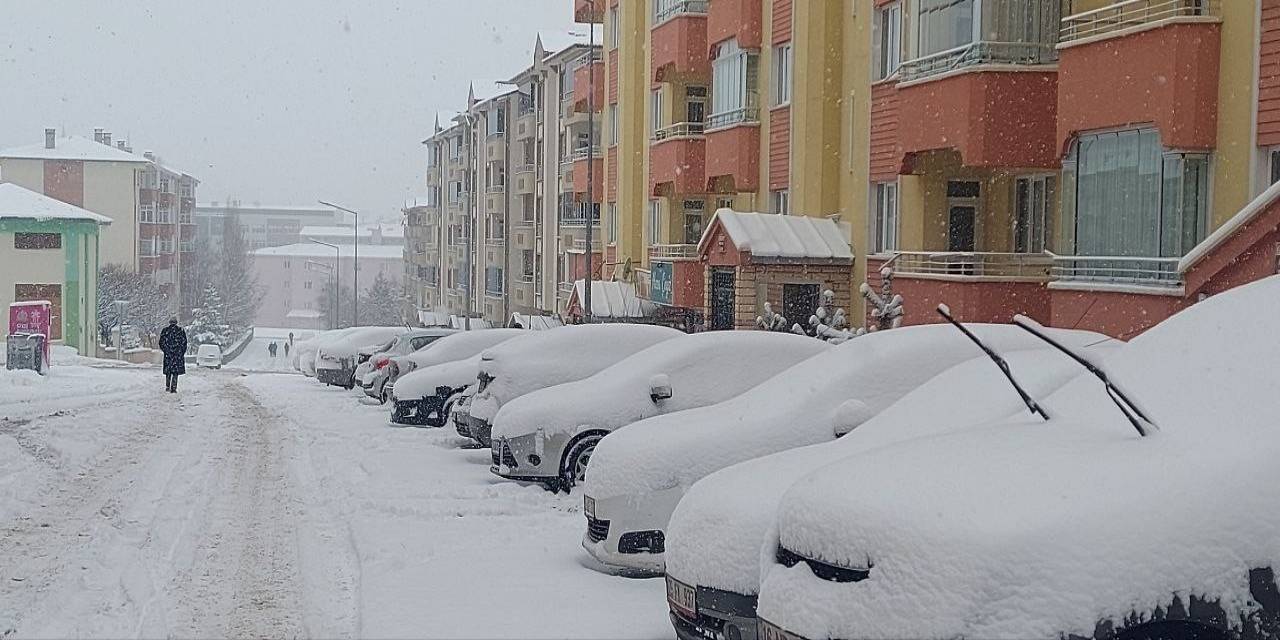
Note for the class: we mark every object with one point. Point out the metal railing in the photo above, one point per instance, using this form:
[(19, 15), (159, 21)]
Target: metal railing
[(525, 168), (673, 251), (976, 264), (498, 241), (664, 10), (526, 278), (1154, 272), (565, 288), (730, 118), (977, 53), (580, 245), (679, 129), (496, 188), (584, 152), (1132, 13)]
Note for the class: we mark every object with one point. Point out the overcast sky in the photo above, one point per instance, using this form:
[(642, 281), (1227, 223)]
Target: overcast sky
[(280, 101)]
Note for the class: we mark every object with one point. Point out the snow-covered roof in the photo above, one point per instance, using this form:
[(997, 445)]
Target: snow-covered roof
[(72, 148), (610, 299), (486, 90), (313, 250), (556, 42), (538, 323), (770, 235), (388, 231), (17, 202), (434, 318), (305, 313)]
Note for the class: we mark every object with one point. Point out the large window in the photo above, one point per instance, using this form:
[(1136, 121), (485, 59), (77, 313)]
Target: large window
[(655, 221), (884, 219), (693, 210), (1033, 200), (613, 27), (943, 25), (733, 86), (888, 39), (781, 201), (37, 241), (613, 124), (782, 74), (1124, 196), (611, 223), (655, 110)]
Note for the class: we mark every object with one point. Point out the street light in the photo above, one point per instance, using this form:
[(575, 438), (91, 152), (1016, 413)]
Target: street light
[(337, 279), (332, 285), (355, 265), (470, 122), (591, 143)]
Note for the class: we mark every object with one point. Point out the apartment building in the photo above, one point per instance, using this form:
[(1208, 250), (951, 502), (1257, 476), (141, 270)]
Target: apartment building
[(262, 225), (166, 229), (296, 277)]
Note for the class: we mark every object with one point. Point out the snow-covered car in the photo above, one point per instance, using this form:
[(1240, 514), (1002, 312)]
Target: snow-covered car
[(209, 356), (715, 534), (641, 472), (547, 358), (1075, 526), (338, 357), (460, 412), (304, 352), (424, 385), (548, 436), (372, 373)]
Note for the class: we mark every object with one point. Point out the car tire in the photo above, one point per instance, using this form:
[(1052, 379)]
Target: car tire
[(574, 466)]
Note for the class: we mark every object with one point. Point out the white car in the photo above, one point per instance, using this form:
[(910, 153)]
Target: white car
[(372, 374), (1078, 526), (425, 384), (548, 436), (209, 356), (641, 472), (548, 358), (304, 352), (338, 357), (715, 534)]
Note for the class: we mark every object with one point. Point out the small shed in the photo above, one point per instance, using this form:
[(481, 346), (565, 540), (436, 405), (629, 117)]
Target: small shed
[(787, 260), (611, 301)]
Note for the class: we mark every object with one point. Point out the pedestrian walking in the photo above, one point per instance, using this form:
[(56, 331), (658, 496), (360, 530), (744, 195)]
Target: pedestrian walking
[(271, 348), (173, 342), (286, 349)]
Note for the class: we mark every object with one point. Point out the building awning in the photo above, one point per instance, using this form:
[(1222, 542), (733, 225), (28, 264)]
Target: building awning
[(610, 300), (774, 237), (434, 318), (536, 323)]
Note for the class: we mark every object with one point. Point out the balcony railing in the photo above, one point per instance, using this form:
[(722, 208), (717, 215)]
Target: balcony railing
[(1002, 266), (1132, 13), (978, 53), (1151, 272), (498, 241), (729, 118), (580, 245), (673, 251), (525, 168), (583, 152), (526, 278), (496, 188), (664, 10), (679, 129), (526, 105)]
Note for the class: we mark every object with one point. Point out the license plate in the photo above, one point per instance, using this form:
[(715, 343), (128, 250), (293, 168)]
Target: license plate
[(769, 631), (682, 597), (589, 506)]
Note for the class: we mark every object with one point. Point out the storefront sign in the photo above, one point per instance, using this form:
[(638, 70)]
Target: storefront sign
[(660, 290)]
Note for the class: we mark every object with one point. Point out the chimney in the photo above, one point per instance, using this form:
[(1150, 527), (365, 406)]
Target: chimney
[(49, 135), (120, 144), (97, 134), (106, 138)]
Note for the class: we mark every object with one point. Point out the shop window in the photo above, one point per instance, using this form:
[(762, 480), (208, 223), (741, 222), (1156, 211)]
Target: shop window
[(36, 241)]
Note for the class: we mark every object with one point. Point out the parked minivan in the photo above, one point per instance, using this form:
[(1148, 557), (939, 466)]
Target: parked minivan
[(209, 356)]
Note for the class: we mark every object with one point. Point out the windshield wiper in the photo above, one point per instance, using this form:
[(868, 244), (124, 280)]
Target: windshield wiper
[(1132, 412), (945, 312)]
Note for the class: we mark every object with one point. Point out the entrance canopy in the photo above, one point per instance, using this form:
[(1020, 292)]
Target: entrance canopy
[(610, 301), (770, 237)]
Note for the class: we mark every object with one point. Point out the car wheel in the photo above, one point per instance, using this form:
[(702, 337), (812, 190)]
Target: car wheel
[(574, 468)]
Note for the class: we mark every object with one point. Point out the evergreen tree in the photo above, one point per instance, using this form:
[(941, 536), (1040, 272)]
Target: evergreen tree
[(346, 306), (209, 325), (380, 303)]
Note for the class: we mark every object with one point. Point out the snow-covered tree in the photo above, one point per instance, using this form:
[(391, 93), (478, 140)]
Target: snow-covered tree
[(380, 303), (828, 322), (886, 306), (771, 321), (345, 303), (148, 310), (235, 279), (209, 325)]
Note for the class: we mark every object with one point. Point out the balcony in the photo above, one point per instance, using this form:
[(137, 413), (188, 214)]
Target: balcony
[(679, 42), (1159, 273), (524, 180), (977, 286), (589, 11), (678, 155), (733, 151), (580, 245), (582, 160), (739, 19), (1169, 76), (588, 84), (496, 189), (676, 275)]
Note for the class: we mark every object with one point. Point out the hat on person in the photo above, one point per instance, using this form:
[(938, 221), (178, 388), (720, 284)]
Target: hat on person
[(173, 321)]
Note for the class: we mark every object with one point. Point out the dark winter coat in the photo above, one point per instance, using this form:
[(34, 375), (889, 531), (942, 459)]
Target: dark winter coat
[(173, 342)]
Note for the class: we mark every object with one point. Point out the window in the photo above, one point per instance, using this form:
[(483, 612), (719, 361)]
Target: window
[(693, 210), (286, 264), (782, 74), (613, 27), (148, 213), (36, 241), (1033, 208), (1124, 196), (943, 25), (655, 221), (1275, 166), (306, 285), (781, 201), (695, 99), (733, 86), (165, 184), (499, 121), (493, 280), (888, 40), (527, 263), (166, 246), (613, 124), (655, 110), (455, 191), (611, 223), (884, 221)]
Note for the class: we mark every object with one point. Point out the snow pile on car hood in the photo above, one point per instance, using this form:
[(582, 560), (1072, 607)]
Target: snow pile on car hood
[(701, 369), (346, 346), (1031, 529), (421, 383), (714, 536), (461, 345), (564, 354), (795, 408)]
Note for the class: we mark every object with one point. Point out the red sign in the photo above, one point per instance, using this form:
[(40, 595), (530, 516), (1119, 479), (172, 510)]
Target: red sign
[(32, 317)]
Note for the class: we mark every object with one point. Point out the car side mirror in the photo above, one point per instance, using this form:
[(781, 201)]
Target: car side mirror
[(849, 416), (659, 387)]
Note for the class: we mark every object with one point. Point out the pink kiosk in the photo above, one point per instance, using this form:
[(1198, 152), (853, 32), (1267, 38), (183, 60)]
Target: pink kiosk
[(28, 339)]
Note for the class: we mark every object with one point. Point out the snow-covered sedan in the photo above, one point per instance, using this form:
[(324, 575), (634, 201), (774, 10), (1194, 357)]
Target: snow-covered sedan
[(548, 436), (640, 473), (304, 352), (427, 383), (548, 358), (337, 358), (715, 533), (371, 374), (1146, 506)]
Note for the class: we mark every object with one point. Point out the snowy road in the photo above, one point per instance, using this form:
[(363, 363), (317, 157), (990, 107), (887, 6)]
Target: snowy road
[(267, 505)]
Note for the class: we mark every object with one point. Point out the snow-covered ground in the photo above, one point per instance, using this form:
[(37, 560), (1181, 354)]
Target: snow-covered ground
[(268, 505), (256, 357)]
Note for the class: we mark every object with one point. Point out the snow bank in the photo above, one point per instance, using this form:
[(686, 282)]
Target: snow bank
[(701, 369), (715, 534), (557, 356), (1029, 529)]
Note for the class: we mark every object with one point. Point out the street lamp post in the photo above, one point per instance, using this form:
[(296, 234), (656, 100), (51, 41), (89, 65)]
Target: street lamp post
[(332, 286), (337, 280), (355, 264), (591, 159), (471, 215)]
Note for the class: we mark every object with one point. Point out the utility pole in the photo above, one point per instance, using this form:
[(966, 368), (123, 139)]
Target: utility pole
[(470, 121), (337, 282), (355, 265), (591, 158)]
